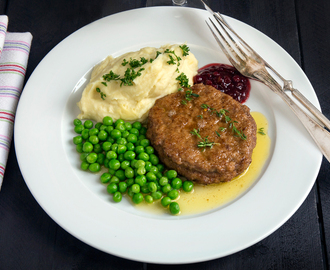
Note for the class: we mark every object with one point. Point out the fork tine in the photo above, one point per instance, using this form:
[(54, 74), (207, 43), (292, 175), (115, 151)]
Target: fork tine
[(228, 50)]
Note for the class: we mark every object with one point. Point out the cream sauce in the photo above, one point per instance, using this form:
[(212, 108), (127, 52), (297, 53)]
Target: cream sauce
[(207, 197)]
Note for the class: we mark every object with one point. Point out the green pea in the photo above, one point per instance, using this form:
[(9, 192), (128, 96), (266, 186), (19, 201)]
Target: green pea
[(149, 199), (93, 131), (156, 195), (78, 129), (130, 192), (119, 121), (131, 138), (151, 176), (125, 164), (94, 167), (120, 174), (77, 140), (130, 182), (130, 146), (144, 142), (83, 156), (166, 201), (97, 148), (76, 122), (171, 174), (141, 170), (114, 179), (144, 156), (93, 139), (166, 188), (136, 188), (141, 180), (85, 134), (111, 155), (84, 165), (111, 171), (105, 178), (121, 149), (134, 131), (139, 163), (112, 188), (125, 134), (110, 139), (128, 125), (91, 158), (102, 135), (88, 124), (176, 183), (188, 186), (117, 196), (152, 186), (108, 129), (174, 208), (143, 130), (139, 149), (114, 164), (87, 147), (129, 155), (145, 189), (100, 158), (129, 172), (154, 159), (107, 120), (163, 181), (115, 134), (148, 166), (114, 147), (121, 127), (103, 128), (79, 148), (106, 146), (137, 125), (154, 170), (173, 194), (149, 150), (137, 198), (142, 137), (160, 167), (122, 187), (98, 125)]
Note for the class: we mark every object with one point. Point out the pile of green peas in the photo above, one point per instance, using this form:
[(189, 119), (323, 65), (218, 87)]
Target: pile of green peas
[(133, 168)]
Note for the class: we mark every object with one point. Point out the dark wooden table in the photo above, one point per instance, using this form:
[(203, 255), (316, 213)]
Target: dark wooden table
[(30, 239)]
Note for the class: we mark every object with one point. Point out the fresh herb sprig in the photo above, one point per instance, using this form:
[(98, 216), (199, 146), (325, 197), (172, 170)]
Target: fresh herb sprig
[(261, 131), (223, 113), (204, 141), (103, 96)]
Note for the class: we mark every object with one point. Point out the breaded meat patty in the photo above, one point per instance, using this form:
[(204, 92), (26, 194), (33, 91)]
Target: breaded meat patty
[(202, 133)]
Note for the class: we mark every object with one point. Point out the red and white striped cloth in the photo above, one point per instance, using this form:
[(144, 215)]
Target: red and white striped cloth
[(14, 54)]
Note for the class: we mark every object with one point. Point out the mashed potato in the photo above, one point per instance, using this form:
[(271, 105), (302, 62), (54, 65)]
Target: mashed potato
[(132, 102)]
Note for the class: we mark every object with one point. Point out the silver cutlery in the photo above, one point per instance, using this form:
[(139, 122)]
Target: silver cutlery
[(252, 65)]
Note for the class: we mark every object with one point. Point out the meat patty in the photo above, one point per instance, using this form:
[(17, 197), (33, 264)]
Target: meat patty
[(207, 138)]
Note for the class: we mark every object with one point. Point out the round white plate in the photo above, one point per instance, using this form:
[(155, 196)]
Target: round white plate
[(79, 203)]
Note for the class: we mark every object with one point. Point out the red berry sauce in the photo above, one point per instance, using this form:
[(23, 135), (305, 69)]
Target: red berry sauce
[(226, 79)]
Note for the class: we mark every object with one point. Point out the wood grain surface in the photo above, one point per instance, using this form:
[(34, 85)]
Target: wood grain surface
[(30, 239)]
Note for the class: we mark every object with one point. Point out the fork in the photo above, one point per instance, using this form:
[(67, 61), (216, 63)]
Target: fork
[(252, 65)]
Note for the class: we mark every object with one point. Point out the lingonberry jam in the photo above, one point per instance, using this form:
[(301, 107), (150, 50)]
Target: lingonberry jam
[(226, 79)]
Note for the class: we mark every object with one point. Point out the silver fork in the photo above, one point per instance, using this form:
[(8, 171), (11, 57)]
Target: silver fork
[(251, 65)]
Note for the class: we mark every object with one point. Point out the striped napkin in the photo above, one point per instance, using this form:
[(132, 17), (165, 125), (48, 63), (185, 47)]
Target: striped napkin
[(14, 54)]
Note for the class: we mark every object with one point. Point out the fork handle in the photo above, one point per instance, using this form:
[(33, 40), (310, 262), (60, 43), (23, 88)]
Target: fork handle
[(319, 134)]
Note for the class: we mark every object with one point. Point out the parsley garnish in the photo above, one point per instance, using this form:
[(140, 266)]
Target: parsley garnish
[(183, 80), (172, 59), (130, 75), (204, 141), (261, 131), (101, 93), (110, 76), (228, 120), (185, 50)]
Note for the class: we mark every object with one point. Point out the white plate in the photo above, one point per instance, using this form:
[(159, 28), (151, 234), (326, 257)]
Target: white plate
[(79, 203)]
